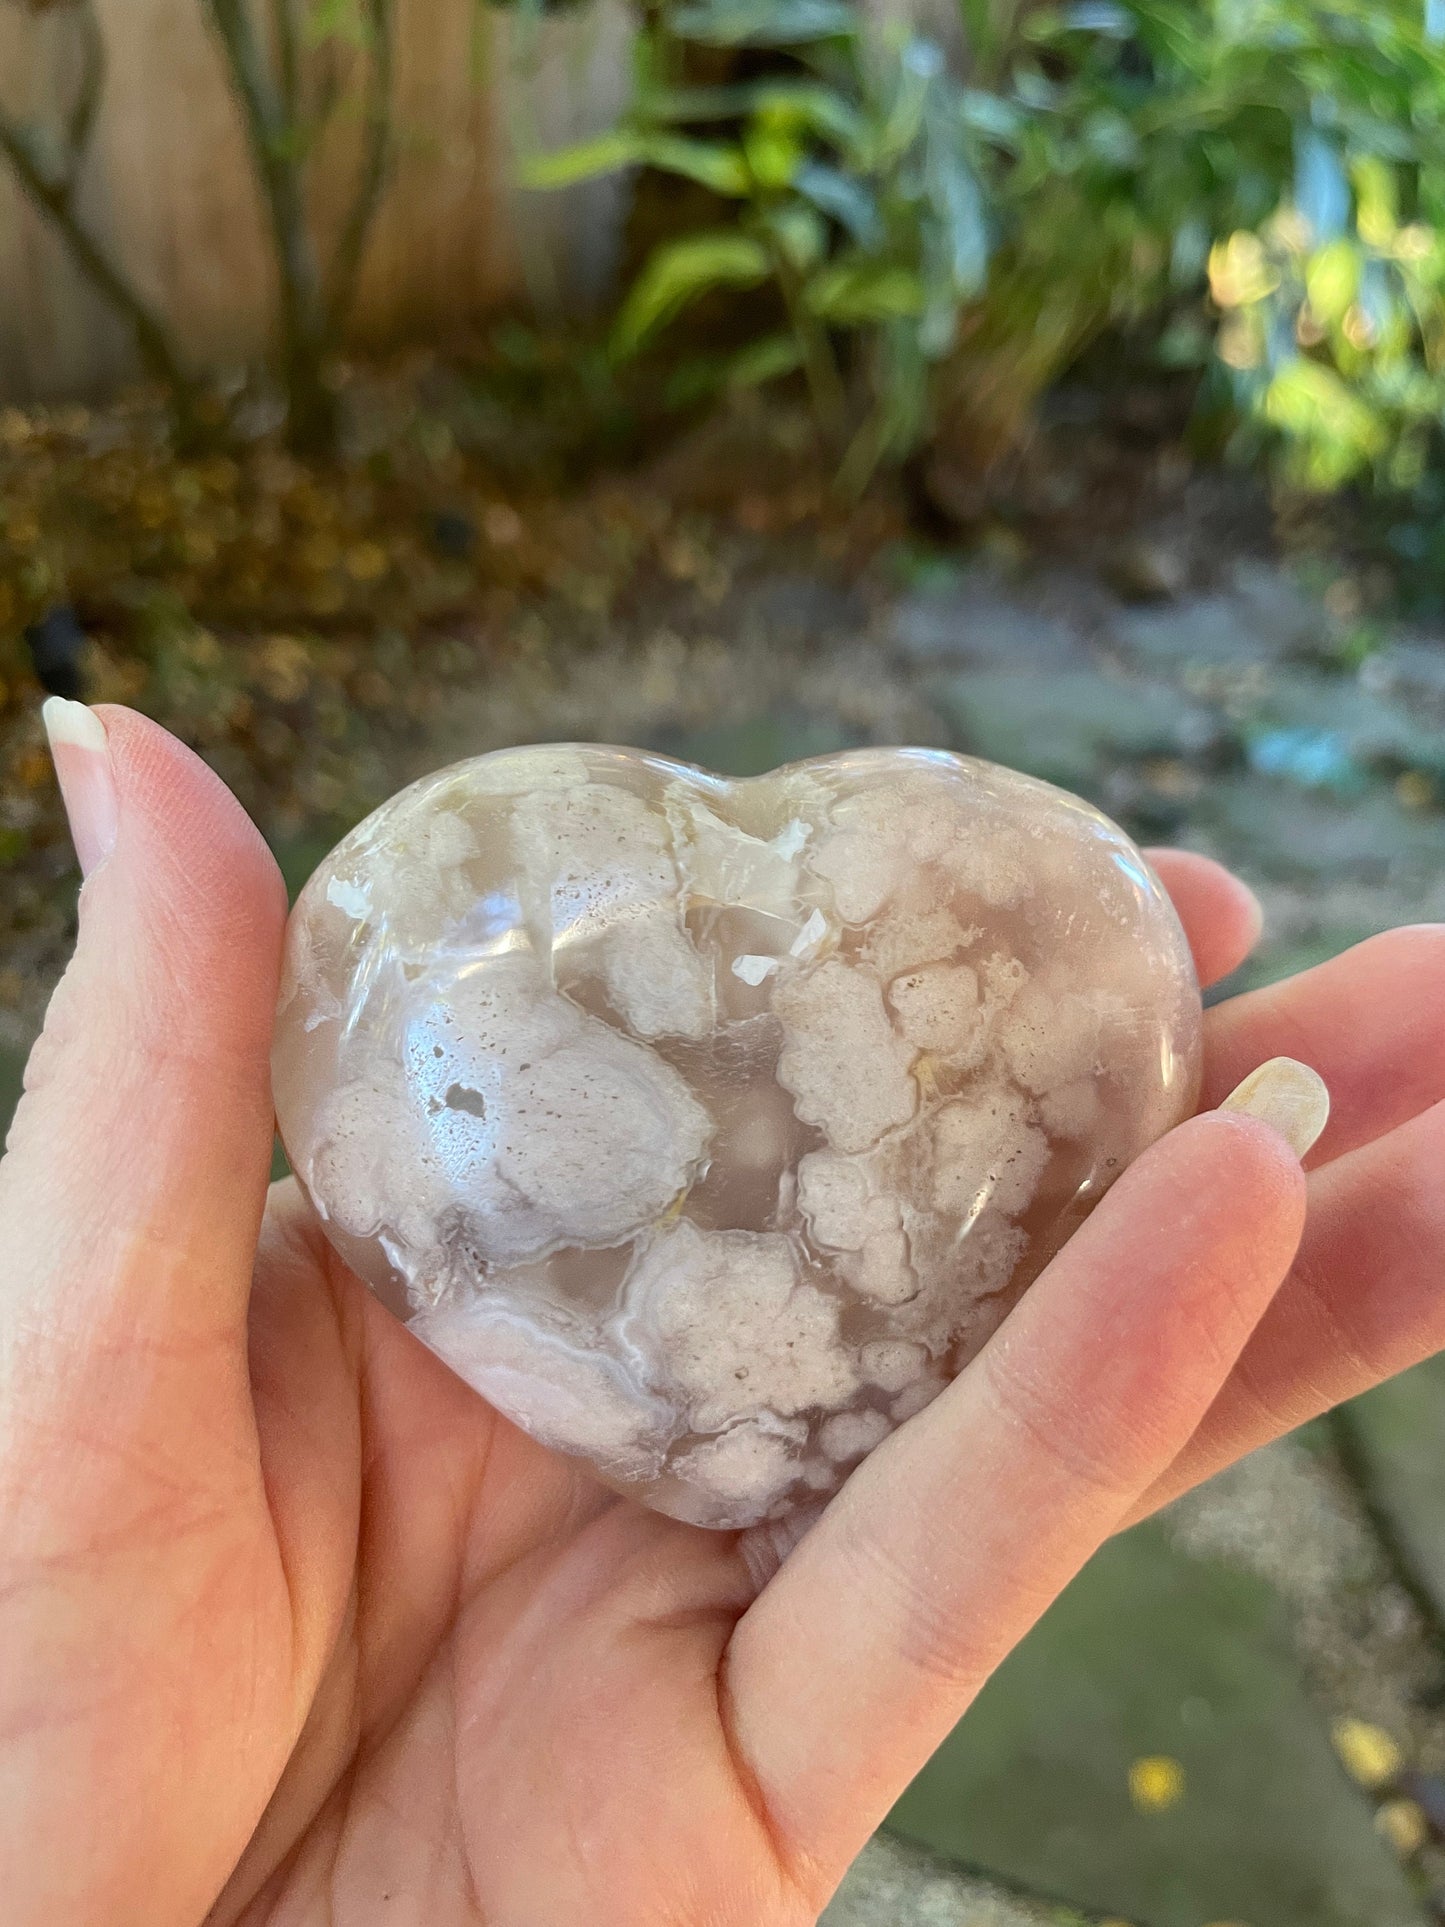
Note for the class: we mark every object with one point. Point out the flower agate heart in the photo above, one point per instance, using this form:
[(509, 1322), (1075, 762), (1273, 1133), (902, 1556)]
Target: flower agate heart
[(708, 1128)]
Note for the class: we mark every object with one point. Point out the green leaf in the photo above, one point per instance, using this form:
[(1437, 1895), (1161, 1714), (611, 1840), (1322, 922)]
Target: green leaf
[(773, 152), (677, 273), (957, 203), (996, 119), (711, 163), (1332, 280), (844, 198), (763, 361), (1100, 16), (660, 106), (584, 161), (340, 20), (763, 23), (1336, 433), (798, 233), (854, 293)]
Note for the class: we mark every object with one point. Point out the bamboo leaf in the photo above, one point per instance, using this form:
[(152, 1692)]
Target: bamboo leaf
[(584, 161), (852, 293), (677, 273)]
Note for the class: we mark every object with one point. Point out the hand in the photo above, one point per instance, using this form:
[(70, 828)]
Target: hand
[(290, 1617)]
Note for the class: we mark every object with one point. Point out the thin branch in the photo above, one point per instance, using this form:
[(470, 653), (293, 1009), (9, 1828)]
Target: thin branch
[(375, 171), (286, 30), (329, 90), (272, 137), (55, 198), (80, 124), (53, 190)]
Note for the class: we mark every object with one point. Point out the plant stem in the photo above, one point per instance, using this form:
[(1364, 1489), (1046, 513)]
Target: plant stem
[(53, 192), (375, 169), (820, 365), (274, 137)]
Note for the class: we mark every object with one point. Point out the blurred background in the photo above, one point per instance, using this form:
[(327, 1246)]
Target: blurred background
[(382, 381)]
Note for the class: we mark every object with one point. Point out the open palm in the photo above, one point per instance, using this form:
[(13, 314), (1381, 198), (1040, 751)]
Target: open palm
[(293, 1627)]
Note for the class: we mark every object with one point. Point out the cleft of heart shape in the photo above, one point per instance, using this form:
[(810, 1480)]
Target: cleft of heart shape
[(709, 1128)]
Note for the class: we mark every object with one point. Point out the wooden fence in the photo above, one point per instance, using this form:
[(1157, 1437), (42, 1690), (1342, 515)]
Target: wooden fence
[(169, 187)]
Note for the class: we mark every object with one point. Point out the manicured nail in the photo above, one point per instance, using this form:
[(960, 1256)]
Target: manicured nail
[(87, 782), (1288, 1095)]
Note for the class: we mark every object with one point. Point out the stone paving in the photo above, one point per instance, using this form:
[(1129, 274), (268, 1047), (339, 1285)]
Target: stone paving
[(1179, 1743)]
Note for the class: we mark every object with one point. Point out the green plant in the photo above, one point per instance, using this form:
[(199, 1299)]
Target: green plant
[(850, 179), (942, 242), (1333, 309), (289, 83)]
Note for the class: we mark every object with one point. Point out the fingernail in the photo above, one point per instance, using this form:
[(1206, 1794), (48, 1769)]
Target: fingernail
[(87, 783), (1288, 1095)]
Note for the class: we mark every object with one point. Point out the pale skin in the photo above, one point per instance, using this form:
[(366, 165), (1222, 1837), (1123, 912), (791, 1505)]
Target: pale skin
[(294, 1629)]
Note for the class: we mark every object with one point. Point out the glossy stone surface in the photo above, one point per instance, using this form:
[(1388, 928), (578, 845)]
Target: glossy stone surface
[(709, 1128)]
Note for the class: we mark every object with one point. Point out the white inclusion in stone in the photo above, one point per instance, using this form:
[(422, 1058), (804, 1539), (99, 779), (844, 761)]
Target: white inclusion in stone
[(847, 1071), (833, 1197), (862, 869), (789, 841), (573, 1400), (1048, 1041), (655, 977), (893, 1363), (748, 1469), (937, 1007), (881, 1269), (848, 1435), (991, 862), (1072, 1111), (734, 1332), (347, 1171), (986, 1152), (551, 1127), (907, 939), (598, 850), (353, 899), (754, 970), (836, 1196)]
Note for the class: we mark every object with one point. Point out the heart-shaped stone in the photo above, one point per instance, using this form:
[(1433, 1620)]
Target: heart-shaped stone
[(709, 1128)]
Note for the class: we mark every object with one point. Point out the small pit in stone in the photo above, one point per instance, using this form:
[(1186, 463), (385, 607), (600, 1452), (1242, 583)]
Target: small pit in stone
[(460, 1097)]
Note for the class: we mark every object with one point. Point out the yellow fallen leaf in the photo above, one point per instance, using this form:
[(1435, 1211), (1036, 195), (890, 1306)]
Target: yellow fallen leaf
[(367, 562), (1404, 1825), (1156, 1784), (1367, 1753)]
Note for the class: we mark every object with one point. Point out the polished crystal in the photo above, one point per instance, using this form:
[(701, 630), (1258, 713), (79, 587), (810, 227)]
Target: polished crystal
[(709, 1128)]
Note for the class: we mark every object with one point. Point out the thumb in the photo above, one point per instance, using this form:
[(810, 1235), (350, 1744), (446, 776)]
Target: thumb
[(135, 1173)]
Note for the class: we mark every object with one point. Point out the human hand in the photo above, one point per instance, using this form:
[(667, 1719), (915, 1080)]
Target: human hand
[(290, 1617)]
